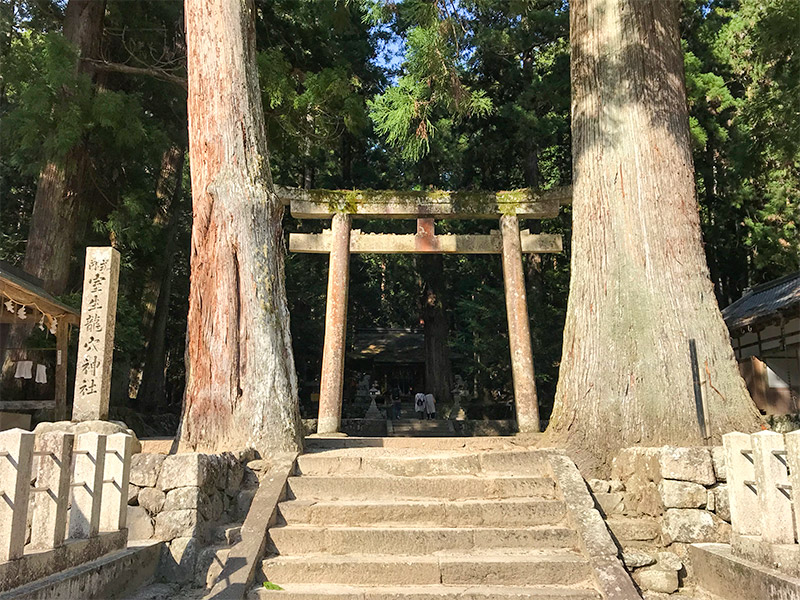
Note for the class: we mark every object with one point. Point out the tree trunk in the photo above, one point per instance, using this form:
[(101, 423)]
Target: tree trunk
[(438, 371), (639, 288), (151, 392), (241, 385), (60, 199)]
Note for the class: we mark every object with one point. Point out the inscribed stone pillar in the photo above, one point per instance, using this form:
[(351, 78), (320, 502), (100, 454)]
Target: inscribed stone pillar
[(16, 458), (96, 341), (519, 335), (87, 487), (114, 508), (332, 378), (50, 503)]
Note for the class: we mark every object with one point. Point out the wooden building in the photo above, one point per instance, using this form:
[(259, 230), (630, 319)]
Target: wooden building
[(765, 332), (34, 376)]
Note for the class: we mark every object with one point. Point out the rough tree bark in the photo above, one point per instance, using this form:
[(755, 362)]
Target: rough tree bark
[(241, 386), (58, 206), (639, 286), (438, 370)]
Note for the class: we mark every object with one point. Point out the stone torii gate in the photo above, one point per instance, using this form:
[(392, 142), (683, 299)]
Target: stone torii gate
[(342, 206)]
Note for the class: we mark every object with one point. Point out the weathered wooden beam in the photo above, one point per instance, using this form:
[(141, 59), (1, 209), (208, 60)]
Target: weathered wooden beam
[(393, 204), (390, 243)]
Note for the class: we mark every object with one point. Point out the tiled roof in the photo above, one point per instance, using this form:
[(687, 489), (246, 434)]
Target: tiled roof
[(765, 301)]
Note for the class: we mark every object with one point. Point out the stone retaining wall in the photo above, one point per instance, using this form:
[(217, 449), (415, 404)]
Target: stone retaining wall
[(182, 499), (658, 502)]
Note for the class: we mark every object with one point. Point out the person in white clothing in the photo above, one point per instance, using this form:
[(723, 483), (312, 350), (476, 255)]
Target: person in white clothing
[(419, 405), (430, 406)]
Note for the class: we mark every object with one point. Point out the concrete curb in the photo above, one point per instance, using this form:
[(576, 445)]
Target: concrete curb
[(244, 558), (612, 579), (721, 573), (110, 576)]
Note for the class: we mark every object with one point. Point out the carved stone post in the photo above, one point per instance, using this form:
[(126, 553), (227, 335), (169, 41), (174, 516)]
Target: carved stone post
[(743, 497), (50, 503), (87, 486), (96, 341), (114, 508), (519, 335), (772, 480), (332, 379), (792, 441), (16, 458)]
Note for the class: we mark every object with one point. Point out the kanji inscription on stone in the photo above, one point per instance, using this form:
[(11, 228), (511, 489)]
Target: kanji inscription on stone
[(96, 340)]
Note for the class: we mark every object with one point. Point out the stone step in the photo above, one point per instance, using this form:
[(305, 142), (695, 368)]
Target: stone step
[(355, 461), (420, 513), (550, 568), (386, 487), (483, 443), (421, 424), (310, 539), (300, 591)]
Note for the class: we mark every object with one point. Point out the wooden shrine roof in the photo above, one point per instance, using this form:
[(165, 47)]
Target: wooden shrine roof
[(765, 303), (23, 291)]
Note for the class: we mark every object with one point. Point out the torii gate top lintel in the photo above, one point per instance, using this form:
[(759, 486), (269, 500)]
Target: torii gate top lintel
[(392, 204)]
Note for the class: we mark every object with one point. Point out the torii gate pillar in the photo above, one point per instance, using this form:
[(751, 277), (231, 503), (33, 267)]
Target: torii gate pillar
[(519, 334), (332, 378)]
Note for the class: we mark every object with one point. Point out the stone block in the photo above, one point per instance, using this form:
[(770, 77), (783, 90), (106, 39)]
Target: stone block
[(133, 495), (687, 464), (210, 562), (250, 479), (657, 580), (688, 525), (178, 559), (171, 524), (718, 459), (211, 509), (217, 473), (140, 526), (185, 470), (599, 486), (636, 462), (682, 494), (634, 559), (234, 480), (152, 500), (243, 501), (145, 469), (615, 485), (721, 504), (611, 503), (643, 497), (259, 465), (669, 561), (183, 498), (631, 529)]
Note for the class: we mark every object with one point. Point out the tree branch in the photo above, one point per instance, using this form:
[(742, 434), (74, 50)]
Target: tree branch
[(154, 72)]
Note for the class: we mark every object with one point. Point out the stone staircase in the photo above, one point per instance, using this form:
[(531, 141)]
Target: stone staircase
[(422, 428), (377, 523)]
